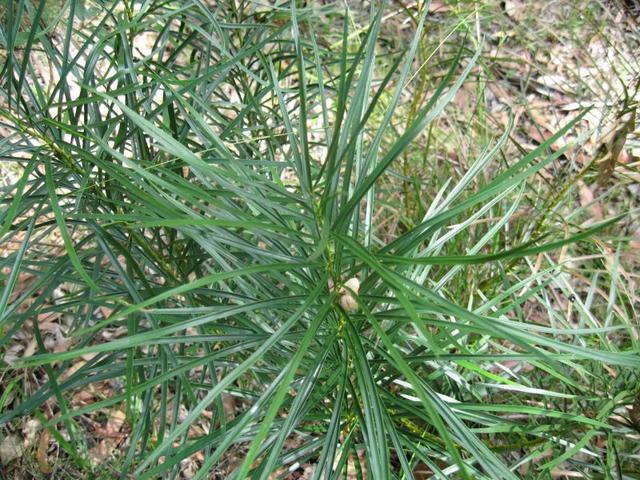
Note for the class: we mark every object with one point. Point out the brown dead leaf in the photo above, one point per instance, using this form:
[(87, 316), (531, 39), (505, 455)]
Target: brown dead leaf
[(112, 435), (229, 406), (41, 453), (465, 97), (516, 9), (115, 422), (635, 243), (511, 364), (352, 471), (102, 451), (611, 152), (113, 333), (525, 467), (71, 370), (422, 472), (625, 157), (439, 7), (13, 353), (565, 474), (586, 198), (31, 348), (82, 398)]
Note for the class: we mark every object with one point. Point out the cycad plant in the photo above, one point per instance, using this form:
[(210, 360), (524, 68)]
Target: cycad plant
[(200, 214)]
